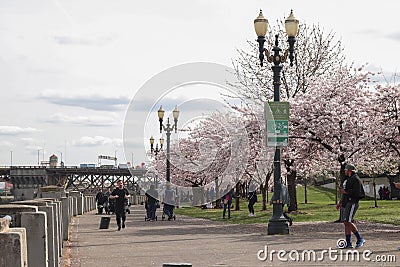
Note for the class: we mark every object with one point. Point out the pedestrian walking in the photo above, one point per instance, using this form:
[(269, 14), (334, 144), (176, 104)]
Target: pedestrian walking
[(227, 202), (151, 203), (100, 200), (252, 197), (286, 201), (212, 194), (380, 192), (169, 202), (352, 191), (107, 195), (120, 194)]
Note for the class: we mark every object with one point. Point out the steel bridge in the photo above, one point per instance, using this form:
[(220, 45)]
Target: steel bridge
[(86, 180)]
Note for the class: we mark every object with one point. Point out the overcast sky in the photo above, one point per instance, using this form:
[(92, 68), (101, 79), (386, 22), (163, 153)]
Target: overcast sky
[(68, 69)]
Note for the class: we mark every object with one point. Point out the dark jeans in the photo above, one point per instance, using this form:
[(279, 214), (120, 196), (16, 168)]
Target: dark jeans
[(229, 209), (120, 214), (169, 210), (251, 205), (151, 211)]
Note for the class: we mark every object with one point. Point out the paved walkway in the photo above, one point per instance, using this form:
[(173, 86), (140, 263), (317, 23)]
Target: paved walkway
[(208, 243)]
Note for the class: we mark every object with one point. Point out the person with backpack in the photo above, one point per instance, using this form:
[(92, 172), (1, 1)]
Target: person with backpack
[(352, 191)]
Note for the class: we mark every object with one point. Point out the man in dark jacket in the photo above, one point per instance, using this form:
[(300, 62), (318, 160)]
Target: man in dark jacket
[(120, 194), (100, 199), (351, 191)]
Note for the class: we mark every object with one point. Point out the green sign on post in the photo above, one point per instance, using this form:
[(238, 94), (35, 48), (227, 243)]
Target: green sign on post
[(277, 115), (280, 110)]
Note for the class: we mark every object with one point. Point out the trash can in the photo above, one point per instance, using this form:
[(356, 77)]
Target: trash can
[(105, 222)]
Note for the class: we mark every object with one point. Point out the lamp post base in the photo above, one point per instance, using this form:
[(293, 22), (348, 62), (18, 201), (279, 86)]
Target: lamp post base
[(278, 227)]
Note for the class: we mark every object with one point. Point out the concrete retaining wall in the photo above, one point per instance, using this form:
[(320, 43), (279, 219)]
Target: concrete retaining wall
[(39, 227), (13, 242), (35, 224)]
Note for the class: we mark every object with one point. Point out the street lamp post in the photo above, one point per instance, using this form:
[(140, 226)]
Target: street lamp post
[(61, 161), (38, 155), (278, 223), (157, 149), (168, 128)]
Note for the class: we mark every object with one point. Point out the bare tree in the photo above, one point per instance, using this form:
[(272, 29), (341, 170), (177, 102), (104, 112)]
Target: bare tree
[(317, 55)]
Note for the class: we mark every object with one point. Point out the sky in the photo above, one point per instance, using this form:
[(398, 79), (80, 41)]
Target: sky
[(69, 69)]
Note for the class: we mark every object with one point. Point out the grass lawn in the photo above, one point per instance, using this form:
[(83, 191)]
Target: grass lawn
[(321, 207)]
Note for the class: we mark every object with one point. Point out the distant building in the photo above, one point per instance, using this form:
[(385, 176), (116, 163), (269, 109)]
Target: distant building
[(53, 161)]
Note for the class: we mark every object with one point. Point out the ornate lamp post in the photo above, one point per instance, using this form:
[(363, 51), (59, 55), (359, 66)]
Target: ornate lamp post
[(157, 149), (61, 162), (168, 128), (278, 223)]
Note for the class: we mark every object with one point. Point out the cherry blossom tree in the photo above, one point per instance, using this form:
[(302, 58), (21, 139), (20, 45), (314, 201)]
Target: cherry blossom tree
[(221, 151), (215, 153), (387, 107), (334, 115)]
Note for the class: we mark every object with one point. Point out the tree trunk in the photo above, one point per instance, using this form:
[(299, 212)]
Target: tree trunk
[(336, 190), (374, 185), (341, 160), (291, 184), (291, 180), (237, 207), (264, 189), (305, 190), (244, 189)]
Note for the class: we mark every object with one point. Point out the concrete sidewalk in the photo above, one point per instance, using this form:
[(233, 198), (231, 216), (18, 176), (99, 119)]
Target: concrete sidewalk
[(208, 243)]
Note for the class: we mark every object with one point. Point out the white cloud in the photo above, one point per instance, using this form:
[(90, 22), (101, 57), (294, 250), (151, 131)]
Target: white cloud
[(395, 36), (5, 144), (97, 141), (83, 120), (29, 140), (15, 130), (32, 144), (94, 40), (88, 99)]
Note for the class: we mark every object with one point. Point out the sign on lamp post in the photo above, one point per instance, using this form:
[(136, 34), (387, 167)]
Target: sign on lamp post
[(277, 124)]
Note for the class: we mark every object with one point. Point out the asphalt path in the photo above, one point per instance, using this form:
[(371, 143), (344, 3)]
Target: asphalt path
[(208, 243)]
